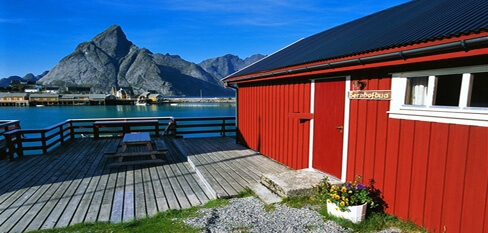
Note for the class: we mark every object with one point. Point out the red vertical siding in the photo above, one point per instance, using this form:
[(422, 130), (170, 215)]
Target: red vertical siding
[(431, 173), (420, 167), (266, 125)]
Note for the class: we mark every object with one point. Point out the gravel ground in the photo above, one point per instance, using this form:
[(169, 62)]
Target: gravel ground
[(248, 215)]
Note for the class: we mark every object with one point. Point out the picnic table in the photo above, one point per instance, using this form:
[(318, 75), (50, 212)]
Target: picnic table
[(138, 139)]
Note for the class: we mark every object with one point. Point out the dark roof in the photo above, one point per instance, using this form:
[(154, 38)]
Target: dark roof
[(409, 23)]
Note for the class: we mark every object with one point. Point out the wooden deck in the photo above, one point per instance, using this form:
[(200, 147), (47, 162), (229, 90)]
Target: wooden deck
[(227, 167), (74, 184)]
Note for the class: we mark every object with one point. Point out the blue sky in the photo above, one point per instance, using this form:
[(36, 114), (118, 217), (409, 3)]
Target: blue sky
[(36, 34)]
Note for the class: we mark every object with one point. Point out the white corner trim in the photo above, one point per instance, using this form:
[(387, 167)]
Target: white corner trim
[(312, 108), (345, 142)]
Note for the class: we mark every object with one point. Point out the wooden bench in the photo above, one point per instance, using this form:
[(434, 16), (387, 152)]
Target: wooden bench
[(111, 149), (161, 146), (124, 124)]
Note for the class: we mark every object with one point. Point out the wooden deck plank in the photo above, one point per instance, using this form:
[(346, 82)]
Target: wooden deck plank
[(129, 211), (24, 196), (105, 208), (72, 199), (62, 196), (219, 183), (235, 166), (150, 199), (168, 190), (140, 203), (181, 178), (224, 170), (118, 198), (175, 185), (161, 202), (86, 199), (191, 178), (60, 178), (242, 165), (212, 171)]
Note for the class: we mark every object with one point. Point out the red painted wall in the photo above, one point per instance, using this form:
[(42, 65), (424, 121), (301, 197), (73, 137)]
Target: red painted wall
[(266, 122), (431, 173)]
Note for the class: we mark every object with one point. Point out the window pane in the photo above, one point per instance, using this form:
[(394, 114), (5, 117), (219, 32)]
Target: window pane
[(448, 89), (416, 90), (479, 93)]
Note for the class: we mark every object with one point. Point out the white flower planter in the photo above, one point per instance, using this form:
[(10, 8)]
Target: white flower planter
[(354, 213)]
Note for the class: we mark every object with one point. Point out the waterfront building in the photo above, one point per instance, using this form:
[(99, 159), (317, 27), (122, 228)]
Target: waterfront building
[(44, 99), (14, 99)]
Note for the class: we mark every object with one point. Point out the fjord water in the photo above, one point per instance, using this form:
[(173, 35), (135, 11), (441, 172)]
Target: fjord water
[(41, 117)]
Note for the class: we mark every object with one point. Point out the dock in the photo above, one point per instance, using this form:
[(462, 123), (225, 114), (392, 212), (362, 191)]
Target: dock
[(73, 183)]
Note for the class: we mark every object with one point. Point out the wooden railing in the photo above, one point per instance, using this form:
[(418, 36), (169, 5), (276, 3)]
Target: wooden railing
[(5, 126), (19, 142), (203, 125)]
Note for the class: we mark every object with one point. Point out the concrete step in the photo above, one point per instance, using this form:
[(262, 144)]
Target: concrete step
[(294, 183), (265, 194)]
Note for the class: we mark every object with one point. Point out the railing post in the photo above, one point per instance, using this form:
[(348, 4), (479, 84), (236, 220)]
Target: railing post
[(71, 130), (61, 134), (44, 144), (20, 149), (174, 128), (222, 133)]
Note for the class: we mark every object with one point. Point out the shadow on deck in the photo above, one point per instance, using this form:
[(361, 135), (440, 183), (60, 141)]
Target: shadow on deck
[(74, 183)]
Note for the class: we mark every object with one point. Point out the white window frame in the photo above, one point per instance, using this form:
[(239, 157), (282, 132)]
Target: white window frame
[(461, 114)]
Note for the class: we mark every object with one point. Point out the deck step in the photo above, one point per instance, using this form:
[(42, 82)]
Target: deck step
[(294, 183), (265, 194)]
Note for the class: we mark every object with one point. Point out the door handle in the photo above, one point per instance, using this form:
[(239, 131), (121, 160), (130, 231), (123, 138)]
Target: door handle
[(340, 128)]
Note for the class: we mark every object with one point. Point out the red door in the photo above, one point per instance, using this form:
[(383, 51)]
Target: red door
[(328, 126)]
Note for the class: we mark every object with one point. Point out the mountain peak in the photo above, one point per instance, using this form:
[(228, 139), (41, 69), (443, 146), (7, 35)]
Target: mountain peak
[(113, 41)]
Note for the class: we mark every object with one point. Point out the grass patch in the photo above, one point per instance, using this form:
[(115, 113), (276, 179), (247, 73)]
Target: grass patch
[(168, 221), (247, 192), (299, 202), (172, 220), (375, 222)]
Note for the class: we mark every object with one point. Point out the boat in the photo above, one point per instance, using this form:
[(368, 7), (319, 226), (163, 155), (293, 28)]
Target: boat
[(141, 101)]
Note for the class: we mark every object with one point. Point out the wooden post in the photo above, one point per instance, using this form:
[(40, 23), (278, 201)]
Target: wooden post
[(222, 133), (20, 148), (71, 130), (61, 134), (44, 144), (10, 147), (174, 128), (95, 132)]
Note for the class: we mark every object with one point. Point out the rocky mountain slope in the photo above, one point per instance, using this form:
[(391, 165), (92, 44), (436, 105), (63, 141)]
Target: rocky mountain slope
[(228, 64), (111, 60)]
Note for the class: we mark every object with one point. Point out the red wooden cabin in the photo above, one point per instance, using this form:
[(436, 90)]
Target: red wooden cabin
[(399, 96)]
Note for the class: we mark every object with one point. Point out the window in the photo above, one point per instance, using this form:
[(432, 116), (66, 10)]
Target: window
[(478, 96), (416, 90), (454, 95), (447, 90)]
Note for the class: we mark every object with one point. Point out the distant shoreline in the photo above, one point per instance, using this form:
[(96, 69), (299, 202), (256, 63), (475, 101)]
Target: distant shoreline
[(199, 100)]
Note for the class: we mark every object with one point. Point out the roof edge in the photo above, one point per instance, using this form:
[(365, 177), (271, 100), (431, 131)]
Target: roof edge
[(458, 45)]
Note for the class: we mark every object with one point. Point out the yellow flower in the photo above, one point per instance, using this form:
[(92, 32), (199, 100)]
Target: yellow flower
[(350, 191), (342, 203), (328, 201), (344, 189)]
